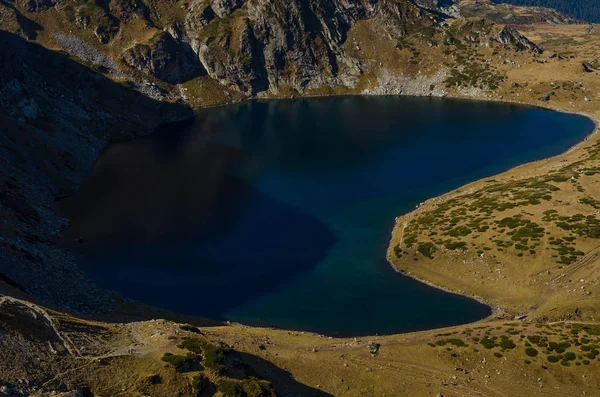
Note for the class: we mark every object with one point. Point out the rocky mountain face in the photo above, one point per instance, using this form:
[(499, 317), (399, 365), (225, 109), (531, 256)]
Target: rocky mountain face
[(255, 46), (258, 45), (55, 117), (297, 43), (247, 46)]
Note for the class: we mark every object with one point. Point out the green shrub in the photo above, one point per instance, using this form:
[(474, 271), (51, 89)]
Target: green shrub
[(453, 341), (554, 359), (531, 352), (194, 345), (214, 356), (559, 347), (454, 245), (497, 354), (506, 344), (255, 388), (230, 388), (427, 249), (174, 360), (592, 354), (487, 343)]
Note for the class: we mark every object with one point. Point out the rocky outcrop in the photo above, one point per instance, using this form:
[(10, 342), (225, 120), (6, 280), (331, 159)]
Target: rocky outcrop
[(224, 8), (267, 44), (127, 10), (253, 47), (12, 20), (165, 58), (37, 5), (90, 16), (388, 84), (511, 37), (199, 15), (373, 347)]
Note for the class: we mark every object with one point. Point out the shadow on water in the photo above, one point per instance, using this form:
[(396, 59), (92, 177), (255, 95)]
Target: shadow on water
[(163, 221), (278, 213)]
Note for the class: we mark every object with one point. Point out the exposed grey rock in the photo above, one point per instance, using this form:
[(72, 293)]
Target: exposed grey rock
[(90, 16), (79, 48), (388, 84), (373, 347), (294, 43), (199, 15), (547, 97), (106, 32), (165, 58), (127, 10), (510, 36), (225, 7)]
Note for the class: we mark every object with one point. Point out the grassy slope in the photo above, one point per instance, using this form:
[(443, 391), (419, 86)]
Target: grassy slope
[(536, 267), (492, 358)]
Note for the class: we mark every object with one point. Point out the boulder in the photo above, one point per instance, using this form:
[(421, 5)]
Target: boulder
[(587, 68), (373, 347)]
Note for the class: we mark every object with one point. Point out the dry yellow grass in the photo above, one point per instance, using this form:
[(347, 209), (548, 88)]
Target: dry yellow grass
[(484, 359), (533, 283)]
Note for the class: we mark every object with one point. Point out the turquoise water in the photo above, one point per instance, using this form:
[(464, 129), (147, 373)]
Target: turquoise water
[(278, 213)]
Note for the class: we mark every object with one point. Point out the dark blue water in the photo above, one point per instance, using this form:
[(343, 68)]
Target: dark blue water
[(279, 213)]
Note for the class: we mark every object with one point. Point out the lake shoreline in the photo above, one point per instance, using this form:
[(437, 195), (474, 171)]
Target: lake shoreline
[(495, 310)]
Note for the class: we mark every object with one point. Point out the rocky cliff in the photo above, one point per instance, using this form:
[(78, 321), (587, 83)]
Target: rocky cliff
[(55, 117), (245, 47)]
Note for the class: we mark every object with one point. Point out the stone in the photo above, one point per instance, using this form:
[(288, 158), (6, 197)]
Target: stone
[(373, 347)]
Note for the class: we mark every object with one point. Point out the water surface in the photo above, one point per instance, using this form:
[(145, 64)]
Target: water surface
[(279, 213)]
